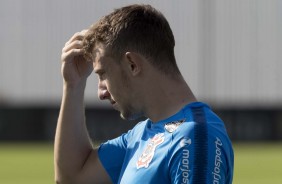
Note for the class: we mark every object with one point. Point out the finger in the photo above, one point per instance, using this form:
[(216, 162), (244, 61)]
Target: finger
[(77, 36), (67, 56), (76, 44)]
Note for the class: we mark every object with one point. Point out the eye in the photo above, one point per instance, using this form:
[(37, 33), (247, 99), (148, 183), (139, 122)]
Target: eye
[(101, 75)]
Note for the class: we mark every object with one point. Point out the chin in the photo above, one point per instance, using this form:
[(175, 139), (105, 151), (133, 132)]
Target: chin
[(131, 116)]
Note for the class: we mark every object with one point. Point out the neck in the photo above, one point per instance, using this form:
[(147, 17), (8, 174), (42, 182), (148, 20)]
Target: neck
[(166, 97)]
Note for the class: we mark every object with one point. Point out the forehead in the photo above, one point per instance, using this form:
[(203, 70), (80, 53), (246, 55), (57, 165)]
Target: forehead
[(100, 57)]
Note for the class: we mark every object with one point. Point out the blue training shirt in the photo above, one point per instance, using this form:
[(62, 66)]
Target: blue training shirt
[(191, 146)]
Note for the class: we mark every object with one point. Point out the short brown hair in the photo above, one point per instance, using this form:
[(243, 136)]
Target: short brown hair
[(136, 28)]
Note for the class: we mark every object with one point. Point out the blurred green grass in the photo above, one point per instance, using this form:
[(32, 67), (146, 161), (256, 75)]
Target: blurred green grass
[(32, 163), (258, 163), (26, 163)]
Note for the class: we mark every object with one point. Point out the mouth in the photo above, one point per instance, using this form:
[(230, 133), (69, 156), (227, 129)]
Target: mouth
[(112, 102), (114, 105)]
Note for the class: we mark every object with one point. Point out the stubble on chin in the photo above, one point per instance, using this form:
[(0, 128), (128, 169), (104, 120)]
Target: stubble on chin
[(129, 115)]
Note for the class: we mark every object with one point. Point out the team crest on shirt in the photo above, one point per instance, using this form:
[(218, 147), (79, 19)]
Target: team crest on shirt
[(172, 126), (149, 152)]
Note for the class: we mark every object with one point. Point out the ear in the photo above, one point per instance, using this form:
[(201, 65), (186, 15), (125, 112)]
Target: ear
[(134, 62)]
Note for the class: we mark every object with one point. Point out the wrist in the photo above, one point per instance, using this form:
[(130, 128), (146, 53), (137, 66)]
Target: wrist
[(74, 87)]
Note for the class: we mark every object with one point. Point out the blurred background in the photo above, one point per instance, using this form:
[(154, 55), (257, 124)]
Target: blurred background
[(228, 51)]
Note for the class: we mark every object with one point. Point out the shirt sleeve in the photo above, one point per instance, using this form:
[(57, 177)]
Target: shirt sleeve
[(213, 165), (111, 155), (202, 153)]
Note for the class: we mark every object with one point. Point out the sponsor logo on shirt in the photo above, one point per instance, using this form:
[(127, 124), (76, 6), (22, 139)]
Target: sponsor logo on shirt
[(172, 126), (149, 152), (185, 142), (217, 161), (184, 165)]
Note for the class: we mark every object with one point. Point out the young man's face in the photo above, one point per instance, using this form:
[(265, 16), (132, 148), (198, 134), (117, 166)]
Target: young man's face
[(115, 85)]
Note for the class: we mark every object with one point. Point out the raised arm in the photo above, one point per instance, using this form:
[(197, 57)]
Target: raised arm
[(75, 160)]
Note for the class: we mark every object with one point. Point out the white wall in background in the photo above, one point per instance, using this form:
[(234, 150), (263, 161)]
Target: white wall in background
[(229, 51)]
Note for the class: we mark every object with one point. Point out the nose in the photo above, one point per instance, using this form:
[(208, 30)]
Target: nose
[(103, 92)]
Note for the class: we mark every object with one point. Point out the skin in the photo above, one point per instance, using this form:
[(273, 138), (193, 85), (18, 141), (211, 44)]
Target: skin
[(145, 91)]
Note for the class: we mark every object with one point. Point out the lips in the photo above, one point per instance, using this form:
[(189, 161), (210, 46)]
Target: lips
[(112, 102), (114, 105)]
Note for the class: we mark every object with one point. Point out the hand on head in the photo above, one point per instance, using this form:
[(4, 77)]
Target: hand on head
[(75, 68)]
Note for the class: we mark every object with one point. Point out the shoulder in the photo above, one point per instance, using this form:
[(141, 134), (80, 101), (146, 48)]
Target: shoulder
[(200, 126), (201, 149)]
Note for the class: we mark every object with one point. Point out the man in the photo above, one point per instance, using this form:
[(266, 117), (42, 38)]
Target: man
[(182, 141)]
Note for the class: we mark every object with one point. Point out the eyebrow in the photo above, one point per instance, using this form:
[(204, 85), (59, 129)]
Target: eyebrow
[(99, 70)]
